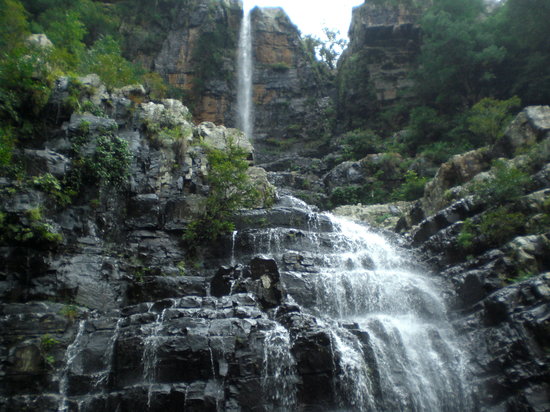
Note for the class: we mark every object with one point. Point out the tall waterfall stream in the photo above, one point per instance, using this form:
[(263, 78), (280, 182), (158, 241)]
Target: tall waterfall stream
[(244, 78)]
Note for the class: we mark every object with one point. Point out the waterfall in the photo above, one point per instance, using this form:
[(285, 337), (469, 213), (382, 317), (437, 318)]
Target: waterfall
[(394, 348), (244, 86)]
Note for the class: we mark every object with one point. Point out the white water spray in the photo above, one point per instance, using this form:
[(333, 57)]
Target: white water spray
[(245, 71), (393, 345)]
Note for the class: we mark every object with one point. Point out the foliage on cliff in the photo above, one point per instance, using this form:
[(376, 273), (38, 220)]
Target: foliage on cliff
[(230, 189), (476, 67)]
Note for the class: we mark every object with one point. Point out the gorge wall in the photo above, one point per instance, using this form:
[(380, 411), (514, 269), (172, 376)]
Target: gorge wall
[(374, 70), (105, 307), (196, 51)]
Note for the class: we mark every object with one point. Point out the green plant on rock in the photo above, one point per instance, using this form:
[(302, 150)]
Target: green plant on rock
[(507, 184), (53, 187), (48, 342), (71, 312), (488, 117), (230, 190), (412, 188), (493, 228), (110, 163), (280, 67), (27, 228)]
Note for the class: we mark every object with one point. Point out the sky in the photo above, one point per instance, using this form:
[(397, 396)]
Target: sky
[(312, 15)]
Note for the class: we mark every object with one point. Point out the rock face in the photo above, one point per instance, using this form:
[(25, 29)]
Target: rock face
[(195, 49), (500, 283), (290, 94), (373, 71), (193, 46)]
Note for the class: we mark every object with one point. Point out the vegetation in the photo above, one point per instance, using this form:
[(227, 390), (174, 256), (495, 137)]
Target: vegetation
[(412, 188), (507, 184), (30, 228), (230, 190), (494, 228)]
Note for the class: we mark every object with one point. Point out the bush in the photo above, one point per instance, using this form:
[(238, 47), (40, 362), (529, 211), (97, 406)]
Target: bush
[(412, 188), (230, 190), (30, 228), (494, 228), (425, 126), (104, 58), (360, 143), (52, 186), (111, 161), (488, 118), (507, 184), (7, 143)]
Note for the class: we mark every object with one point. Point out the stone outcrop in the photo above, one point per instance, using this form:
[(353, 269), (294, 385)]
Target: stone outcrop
[(195, 49), (193, 46), (374, 70), (499, 285), (290, 94)]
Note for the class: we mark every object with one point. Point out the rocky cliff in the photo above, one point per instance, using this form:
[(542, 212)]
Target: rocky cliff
[(291, 100), (194, 46), (374, 71)]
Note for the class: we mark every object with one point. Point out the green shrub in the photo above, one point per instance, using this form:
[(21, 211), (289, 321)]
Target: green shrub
[(412, 188), (360, 143), (494, 228), (345, 195), (52, 186), (508, 184), (440, 152), (488, 117), (426, 126), (7, 144), (280, 67), (105, 59), (111, 160), (230, 190), (30, 228), (155, 85)]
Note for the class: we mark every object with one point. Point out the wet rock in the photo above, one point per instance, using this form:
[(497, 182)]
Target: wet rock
[(38, 162), (458, 211)]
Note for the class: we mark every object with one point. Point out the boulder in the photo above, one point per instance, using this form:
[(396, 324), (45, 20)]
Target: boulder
[(531, 125), (38, 162), (386, 216), (457, 171), (219, 137)]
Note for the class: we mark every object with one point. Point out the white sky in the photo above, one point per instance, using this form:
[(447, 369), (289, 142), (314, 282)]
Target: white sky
[(312, 15)]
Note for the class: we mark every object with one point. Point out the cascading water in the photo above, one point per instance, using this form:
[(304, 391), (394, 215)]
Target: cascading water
[(245, 72), (393, 346)]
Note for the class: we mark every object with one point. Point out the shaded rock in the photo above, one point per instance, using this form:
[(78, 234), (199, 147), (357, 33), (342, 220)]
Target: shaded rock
[(457, 171), (530, 125), (38, 162)]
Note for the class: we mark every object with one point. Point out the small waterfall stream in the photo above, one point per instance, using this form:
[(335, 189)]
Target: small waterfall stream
[(245, 73), (395, 350)]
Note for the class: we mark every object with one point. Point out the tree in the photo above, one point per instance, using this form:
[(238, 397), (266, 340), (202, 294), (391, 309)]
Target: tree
[(327, 49), (14, 27), (458, 57), (230, 189), (488, 117), (522, 28)]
